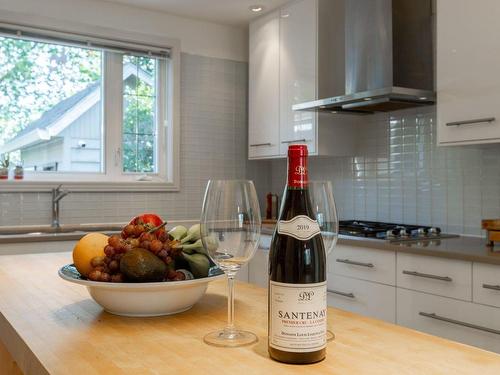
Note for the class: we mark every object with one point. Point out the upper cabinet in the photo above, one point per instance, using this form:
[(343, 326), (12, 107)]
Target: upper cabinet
[(263, 98), (298, 74), (468, 79), (288, 49)]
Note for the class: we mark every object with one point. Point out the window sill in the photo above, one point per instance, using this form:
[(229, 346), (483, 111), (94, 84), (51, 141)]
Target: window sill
[(20, 186)]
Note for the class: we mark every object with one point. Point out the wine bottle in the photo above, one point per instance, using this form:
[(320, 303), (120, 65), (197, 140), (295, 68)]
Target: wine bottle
[(297, 273)]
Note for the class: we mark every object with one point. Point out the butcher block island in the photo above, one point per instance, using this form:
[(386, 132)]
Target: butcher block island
[(48, 326)]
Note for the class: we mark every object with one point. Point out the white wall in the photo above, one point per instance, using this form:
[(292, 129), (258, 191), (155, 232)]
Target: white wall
[(196, 37)]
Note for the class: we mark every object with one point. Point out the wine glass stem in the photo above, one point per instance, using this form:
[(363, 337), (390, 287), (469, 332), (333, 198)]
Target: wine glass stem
[(230, 303)]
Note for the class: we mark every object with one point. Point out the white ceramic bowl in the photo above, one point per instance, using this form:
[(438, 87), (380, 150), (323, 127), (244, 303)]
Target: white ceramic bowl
[(143, 299)]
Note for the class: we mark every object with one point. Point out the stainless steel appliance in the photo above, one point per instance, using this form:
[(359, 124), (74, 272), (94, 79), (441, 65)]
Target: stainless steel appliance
[(390, 231), (383, 57)]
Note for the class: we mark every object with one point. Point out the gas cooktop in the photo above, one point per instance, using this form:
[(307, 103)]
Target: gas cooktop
[(390, 231)]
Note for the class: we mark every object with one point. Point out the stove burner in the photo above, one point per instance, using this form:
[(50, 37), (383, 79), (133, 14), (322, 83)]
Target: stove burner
[(390, 231)]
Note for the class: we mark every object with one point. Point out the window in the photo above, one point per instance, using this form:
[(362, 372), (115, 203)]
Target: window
[(80, 109)]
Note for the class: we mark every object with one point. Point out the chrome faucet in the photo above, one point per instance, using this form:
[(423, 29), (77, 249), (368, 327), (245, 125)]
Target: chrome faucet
[(57, 195)]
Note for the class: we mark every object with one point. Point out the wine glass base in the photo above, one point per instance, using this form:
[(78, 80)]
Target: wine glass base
[(330, 336), (230, 338)]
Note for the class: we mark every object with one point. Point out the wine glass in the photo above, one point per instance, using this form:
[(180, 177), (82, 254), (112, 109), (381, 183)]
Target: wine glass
[(323, 205), (230, 232)]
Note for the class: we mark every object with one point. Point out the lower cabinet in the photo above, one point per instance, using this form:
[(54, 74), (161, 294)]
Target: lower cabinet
[(258, 268), (466, 322), (362, 297)]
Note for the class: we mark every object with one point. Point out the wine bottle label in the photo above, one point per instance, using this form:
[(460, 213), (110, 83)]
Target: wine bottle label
[(297, 319), (301, 227)]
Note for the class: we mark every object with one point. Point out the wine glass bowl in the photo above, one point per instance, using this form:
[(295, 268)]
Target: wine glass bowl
[(230, 232)]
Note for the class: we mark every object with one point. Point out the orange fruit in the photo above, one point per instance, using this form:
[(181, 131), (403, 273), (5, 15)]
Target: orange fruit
[(90, 246)]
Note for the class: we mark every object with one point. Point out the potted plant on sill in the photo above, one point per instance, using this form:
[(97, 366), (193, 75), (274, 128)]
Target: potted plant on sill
[(19, 172), (4, 167)]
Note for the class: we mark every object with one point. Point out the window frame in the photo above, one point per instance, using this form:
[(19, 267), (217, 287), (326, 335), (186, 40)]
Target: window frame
[(168, 123)]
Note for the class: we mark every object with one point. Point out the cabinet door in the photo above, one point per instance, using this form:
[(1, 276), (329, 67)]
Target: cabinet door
[(263, 98), (362, 297), (298, 50), (468, 79), (258, 269), (465, 322)]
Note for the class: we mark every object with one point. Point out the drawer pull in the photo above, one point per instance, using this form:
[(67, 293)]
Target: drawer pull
[(350, 295), (458, 322), (493, 287), (261, 144), (295, 140), (354, 263), (427, 276), (468, 122)]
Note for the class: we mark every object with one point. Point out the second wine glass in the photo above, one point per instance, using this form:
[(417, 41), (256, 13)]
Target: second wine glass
[(230, 232), (323, 205)]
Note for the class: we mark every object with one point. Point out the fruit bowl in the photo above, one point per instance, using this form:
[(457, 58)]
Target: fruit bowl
[(144, 299)]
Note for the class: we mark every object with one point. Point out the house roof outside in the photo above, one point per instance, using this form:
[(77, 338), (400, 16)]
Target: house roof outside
[(53, 121)]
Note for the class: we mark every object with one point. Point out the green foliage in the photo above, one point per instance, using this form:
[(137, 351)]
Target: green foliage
[(138, 117), (35, 76)]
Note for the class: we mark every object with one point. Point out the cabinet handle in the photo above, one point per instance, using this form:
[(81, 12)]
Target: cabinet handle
[(494, 287), (354, 263), (428, 276), (458, 322), (350, 295), (261, 144), (295, 140), (468, 122)]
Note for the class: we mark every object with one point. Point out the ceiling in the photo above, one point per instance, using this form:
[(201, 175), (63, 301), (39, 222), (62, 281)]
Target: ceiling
[(228, 12)]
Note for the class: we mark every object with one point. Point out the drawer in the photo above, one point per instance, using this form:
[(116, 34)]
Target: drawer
[(456, 320), (444, 277), (486, 284), (363, 263), (362, 297)]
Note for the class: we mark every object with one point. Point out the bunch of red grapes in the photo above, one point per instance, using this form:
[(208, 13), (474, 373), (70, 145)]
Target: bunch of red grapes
[(141, 235)]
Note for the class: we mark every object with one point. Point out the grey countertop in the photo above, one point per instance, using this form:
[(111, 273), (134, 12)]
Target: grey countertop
[(463, 247)]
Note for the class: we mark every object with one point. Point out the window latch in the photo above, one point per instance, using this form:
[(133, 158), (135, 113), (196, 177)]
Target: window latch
[(118, 154)]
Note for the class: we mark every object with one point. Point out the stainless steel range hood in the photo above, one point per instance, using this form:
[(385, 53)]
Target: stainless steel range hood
[(388, 58)]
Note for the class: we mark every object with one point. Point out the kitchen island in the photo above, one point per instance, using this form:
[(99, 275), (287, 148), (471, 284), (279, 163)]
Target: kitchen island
[(48, 326)]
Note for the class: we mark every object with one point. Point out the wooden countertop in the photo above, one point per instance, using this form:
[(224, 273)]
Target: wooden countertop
[(52, 327)]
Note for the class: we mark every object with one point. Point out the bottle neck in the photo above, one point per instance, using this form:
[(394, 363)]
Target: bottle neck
[(298, 178)]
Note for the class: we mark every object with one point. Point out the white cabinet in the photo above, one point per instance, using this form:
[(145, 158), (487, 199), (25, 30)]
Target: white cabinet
[(298, 74), (362, 297), (461, 321), (263, 97), (363, 263), (441, 276), (289, 48), (468, 83), (486, 282)]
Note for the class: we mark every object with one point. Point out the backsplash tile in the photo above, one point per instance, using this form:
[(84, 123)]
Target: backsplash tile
[(400, 175), (213, 145)]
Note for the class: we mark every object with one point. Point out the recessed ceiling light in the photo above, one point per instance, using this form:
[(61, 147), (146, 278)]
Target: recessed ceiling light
[(423, 98), (256, 8)]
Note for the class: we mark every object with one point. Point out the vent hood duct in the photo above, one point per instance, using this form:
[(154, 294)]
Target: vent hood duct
[(388, 58)]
